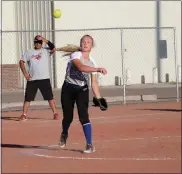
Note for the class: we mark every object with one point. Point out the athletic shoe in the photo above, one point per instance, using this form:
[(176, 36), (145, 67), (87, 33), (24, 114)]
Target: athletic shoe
[(89, 148), (23, 117), (56, 116), (62, 141)]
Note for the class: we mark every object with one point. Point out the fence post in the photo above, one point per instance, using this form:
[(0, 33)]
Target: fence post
[(123, 68), (176, 66), (53, 40)]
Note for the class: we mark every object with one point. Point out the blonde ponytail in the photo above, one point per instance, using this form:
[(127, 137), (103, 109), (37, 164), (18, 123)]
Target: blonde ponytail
[(69, 49)]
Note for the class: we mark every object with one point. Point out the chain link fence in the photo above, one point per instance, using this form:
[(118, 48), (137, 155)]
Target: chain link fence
[(150, 59), (134, 57)]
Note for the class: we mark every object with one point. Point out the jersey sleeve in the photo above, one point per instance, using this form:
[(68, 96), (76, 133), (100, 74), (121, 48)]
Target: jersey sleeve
[(75, 55), (25, 57)]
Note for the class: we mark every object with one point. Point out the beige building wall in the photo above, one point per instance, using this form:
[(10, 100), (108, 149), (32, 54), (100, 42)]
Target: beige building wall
[(138, 45)]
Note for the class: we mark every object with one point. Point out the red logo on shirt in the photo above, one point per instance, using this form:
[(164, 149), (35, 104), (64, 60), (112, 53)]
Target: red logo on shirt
[(38, 56)]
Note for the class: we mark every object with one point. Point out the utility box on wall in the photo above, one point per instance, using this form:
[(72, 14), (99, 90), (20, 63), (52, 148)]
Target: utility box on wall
[(10, 76), (163, 49)]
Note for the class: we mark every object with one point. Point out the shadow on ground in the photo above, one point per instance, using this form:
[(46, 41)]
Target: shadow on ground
[(166, 110), (18, 118), (14, 146)]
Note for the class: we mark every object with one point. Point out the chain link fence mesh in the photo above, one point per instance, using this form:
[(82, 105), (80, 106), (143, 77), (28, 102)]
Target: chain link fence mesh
[(149, 58), (141, 58), (129, 54)]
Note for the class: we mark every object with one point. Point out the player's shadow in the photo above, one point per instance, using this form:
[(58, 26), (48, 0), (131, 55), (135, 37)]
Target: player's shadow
[(19, 146), (38, 147), (10, 118), (12, 146), (18, 118), (165, 110), (73, 150)]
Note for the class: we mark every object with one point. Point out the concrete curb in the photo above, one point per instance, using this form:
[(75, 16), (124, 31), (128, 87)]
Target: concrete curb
[(109, 100)]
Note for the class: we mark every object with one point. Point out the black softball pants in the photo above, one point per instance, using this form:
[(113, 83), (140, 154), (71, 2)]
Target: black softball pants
[(70, 95)]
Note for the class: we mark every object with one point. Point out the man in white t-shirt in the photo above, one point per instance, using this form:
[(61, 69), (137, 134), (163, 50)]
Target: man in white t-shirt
[(38, 76)]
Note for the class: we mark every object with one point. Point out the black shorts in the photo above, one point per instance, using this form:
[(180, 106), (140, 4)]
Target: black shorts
[(43, 85)]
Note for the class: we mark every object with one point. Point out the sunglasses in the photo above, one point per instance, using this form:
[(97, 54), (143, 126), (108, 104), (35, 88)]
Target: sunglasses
[(38, 42)]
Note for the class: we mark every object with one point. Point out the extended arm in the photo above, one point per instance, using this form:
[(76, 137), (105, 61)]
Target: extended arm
[(95, 87), (97, 99), (84, 68)]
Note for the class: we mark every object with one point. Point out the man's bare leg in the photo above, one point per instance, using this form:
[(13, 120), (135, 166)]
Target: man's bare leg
[(52, 104), (26, 106)]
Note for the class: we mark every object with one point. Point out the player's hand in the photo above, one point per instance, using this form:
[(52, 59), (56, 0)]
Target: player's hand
[(42, 38), (39, 37), (102, 70), (27, 76)]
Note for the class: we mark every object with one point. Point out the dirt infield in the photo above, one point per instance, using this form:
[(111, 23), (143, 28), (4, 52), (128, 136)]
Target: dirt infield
[(134, 138)]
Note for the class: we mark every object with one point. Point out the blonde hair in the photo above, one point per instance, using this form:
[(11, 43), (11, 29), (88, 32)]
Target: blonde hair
[(70, 48)]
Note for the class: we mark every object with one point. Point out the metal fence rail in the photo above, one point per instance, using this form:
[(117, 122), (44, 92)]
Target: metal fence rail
[(134, 57)]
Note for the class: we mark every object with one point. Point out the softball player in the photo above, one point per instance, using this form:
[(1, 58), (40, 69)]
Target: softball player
[(75, 90)]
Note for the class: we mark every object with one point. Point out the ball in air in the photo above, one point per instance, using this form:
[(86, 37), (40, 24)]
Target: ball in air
[(57, 13)]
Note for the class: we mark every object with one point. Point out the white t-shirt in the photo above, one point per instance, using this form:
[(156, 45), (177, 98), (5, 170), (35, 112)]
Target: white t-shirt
[(38, 63), (73, 75)]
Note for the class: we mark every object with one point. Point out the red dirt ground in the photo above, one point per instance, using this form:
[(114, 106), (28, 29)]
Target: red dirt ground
[(140, 138)]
